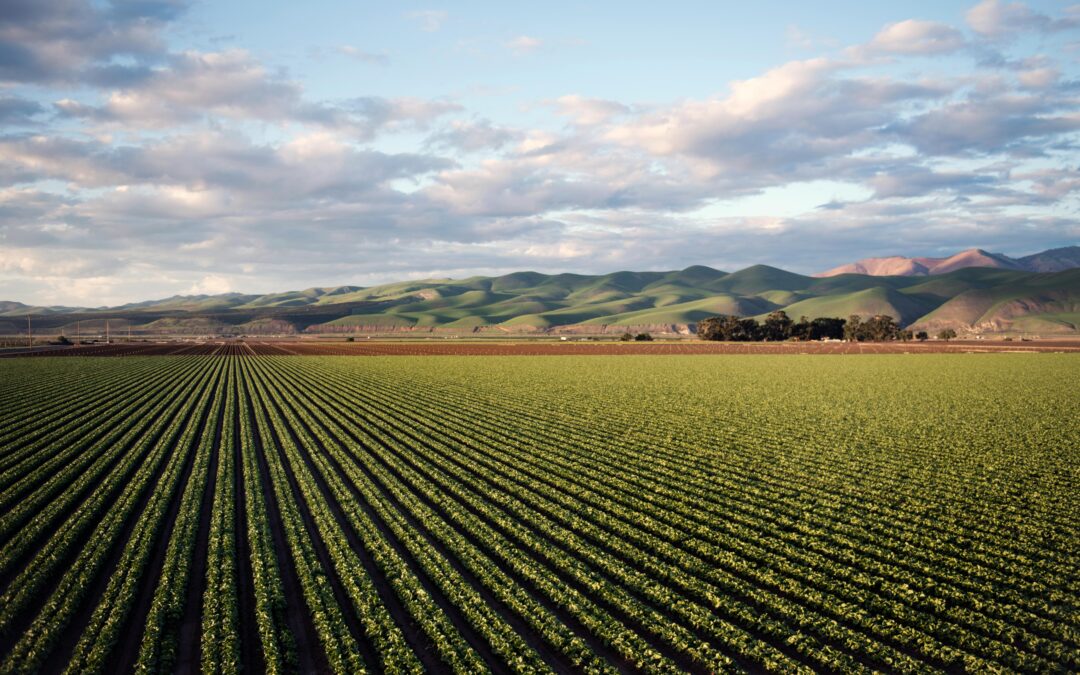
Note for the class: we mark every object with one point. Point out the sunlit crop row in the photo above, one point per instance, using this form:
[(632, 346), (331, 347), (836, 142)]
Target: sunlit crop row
[(892, 513)]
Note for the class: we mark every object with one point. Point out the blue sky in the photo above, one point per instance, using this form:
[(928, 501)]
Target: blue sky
[(155, 147)]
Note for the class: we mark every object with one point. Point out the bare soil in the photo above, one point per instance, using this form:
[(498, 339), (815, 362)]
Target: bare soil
[(545, 348)]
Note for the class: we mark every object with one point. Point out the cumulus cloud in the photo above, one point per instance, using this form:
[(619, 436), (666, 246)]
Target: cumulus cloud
[(471, 136), (193, 170), (588, 111), (995, 19), (198, 86), (1013, 123), (64, 40), (916, 37), (919, 181), (194, 84), (791, 120), (15, 111), (373, 113), (211, 284)]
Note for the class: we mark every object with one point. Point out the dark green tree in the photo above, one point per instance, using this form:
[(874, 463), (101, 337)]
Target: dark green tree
[(827, 328), (880, 328), (729, 328), (777, 326), (853, 329), (801, 329)]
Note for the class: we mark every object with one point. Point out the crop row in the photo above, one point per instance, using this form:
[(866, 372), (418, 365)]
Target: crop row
[(644, 514)]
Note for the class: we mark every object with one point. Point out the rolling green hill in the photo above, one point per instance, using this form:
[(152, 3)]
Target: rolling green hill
[(969, 299)]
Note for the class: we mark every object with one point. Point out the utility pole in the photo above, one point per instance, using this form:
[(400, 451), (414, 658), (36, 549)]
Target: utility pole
[(106, 331), (78, 330), (29, 333)]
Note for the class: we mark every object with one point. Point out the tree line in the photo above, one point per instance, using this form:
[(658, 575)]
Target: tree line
[(778, 326)]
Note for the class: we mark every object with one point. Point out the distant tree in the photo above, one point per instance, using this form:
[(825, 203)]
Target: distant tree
[(946, 334), (350, 339), (827, 328), (853, 329), (777, 326), (880, 328), (801, 329), (709, 329), (626, 337), (729, 328), (906, 335), (724, 327), (921, 336), (643, 337)]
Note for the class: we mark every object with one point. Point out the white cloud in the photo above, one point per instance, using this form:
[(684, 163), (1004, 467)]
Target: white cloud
[(195, 170), (588, 111), (471, 136), (196, 87), (916, 37), (1038, 78), (996, 19), (79, 40), (211, 284)]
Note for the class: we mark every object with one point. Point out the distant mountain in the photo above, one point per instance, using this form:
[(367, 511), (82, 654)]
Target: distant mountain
[(1054, 260), (982, 298), (10, 306)]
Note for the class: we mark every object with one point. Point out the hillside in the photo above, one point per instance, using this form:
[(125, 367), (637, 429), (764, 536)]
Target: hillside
[(985, 299), (1043, 303)]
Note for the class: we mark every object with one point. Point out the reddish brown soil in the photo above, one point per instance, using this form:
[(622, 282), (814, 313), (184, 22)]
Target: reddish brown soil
[(538, 348), (230, 348), (459, 348)]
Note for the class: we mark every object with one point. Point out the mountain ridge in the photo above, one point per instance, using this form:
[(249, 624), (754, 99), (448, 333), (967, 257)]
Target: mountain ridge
[(1051, 260), (969, 299)]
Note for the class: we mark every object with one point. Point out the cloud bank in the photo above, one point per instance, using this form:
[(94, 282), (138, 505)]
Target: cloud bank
[(130, 168)]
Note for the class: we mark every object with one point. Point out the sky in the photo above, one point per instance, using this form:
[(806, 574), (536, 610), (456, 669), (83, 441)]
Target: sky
[(158, 147)]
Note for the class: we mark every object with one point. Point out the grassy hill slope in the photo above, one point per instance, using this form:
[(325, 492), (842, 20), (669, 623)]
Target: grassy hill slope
[(967, 299)]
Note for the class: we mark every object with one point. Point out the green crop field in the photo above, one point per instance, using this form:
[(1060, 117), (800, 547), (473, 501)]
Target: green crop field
[(897, 513)]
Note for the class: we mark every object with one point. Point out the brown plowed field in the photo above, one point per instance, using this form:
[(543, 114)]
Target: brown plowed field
[(141, 349), (458, 348), (537, 348)]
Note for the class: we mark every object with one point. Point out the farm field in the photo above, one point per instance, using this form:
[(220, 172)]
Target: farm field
[(467, 347), (575, 513)]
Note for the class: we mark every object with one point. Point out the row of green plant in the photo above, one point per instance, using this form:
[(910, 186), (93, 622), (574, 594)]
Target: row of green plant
[(103, 633), (78, 576), (532, 514), (219, 645), (441, 416)]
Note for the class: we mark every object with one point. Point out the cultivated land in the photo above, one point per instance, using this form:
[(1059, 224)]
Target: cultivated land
[(903, 513), (534, 348)]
